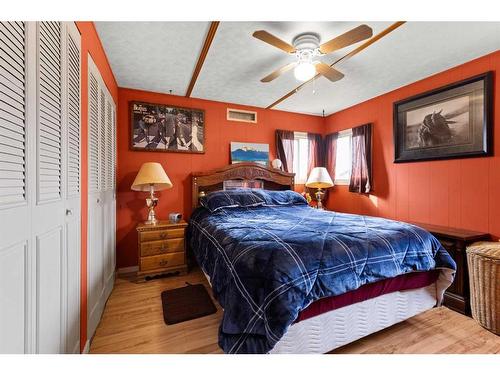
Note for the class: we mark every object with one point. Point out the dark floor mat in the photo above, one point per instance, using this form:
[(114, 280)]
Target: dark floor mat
[(186, 303)]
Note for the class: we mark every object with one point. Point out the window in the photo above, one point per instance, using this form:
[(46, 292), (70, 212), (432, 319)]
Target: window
[(344, 156), (343, 161), (300, 157)]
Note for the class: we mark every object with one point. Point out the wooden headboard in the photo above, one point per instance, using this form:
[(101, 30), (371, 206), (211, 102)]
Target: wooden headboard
[(273, 179)]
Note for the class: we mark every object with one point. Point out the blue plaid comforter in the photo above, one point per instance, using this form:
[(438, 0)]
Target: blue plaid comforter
[(266, 264)]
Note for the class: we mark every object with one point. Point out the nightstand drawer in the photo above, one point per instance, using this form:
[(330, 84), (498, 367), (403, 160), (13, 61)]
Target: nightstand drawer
[(162, 234), (161, 247), (162, 261)]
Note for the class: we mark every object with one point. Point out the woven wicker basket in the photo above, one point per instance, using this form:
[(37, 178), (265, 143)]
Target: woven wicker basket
[(484, 275)]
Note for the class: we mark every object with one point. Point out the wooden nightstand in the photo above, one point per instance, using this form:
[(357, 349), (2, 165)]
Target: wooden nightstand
[(162, 248)]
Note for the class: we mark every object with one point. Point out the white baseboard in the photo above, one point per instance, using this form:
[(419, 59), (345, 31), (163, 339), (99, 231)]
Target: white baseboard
[(86, 348), (128, 269)]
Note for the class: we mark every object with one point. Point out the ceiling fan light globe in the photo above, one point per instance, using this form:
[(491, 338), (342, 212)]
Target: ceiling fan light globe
[(304, 71)]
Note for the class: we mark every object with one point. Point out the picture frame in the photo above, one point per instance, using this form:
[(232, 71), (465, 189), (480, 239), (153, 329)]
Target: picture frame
[(244, 152), (453, 121), (166, 128)]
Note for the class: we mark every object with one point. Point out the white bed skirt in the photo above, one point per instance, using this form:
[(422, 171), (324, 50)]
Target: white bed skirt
[(333, 329)]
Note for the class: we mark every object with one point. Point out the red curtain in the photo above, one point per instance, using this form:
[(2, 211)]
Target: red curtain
[(284, 148), (361, 173), (316, 155), (331, 153)]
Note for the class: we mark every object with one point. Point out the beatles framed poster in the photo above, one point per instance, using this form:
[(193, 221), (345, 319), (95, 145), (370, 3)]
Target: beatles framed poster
[(165, 128)]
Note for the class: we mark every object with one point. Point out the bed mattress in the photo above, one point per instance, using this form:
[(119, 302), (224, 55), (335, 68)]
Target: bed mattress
[(399, 283), (321, 331), (333, 329)]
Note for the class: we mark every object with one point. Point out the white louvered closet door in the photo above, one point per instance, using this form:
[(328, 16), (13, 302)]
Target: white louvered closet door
[(113, 186), (15, 221), (108, 206), (39, 180), (102, 206), (95, 231), (72, 175), (49, 206)]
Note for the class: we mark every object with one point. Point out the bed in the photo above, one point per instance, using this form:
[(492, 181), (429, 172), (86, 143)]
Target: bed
[(293, 279)]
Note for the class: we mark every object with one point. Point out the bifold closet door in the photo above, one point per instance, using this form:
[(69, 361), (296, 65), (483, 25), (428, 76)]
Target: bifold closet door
[(73, 195), (102, 206), (95, 230), (48, 209), (16, 286), (39, 188), (109, 212), (56, 212)]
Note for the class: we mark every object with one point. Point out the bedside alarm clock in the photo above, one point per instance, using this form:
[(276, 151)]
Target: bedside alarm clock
[(175, 217)]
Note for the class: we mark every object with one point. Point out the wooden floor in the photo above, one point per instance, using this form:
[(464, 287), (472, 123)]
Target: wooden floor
[(133, 323)]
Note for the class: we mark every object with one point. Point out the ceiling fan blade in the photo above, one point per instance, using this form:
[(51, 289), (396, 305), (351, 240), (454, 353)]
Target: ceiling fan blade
[(326, 70), (278, 72), (274, 41), (352, 36)]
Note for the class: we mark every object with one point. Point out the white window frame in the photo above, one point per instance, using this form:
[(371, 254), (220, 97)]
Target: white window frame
[(297, 156), (343, 134)]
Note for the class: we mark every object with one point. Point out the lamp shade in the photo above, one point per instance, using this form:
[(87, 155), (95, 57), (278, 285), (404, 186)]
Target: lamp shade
[(319, 179), (151, 174)]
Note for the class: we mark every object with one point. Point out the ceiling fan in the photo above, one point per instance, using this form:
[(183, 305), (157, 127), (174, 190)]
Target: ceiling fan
[(306, 46)]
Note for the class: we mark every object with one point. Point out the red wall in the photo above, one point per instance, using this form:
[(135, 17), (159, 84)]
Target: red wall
[(462, 193), (218, 134), (90, 44)]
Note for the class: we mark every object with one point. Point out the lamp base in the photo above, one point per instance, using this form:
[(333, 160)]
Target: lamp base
[(151, 216), (319, 198), (151, 203), (151, 222)]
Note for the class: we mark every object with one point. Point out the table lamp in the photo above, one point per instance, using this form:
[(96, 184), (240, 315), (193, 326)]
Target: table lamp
[(319, 179), (151, 178), (277, 164)]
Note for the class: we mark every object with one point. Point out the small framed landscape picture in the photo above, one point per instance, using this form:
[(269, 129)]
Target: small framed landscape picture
[(454, 121), (159, 127), (249, 152)]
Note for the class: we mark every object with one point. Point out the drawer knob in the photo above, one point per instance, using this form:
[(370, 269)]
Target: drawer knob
[(163, 262), (163, 235)]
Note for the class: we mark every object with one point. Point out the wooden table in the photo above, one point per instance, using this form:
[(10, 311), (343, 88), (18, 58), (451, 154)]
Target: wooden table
[(455, 241), (162, 248)]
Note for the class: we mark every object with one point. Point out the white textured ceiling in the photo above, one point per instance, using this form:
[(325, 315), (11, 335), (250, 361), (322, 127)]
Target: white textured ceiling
[(161, 56), (237, 61), (153, 56)]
